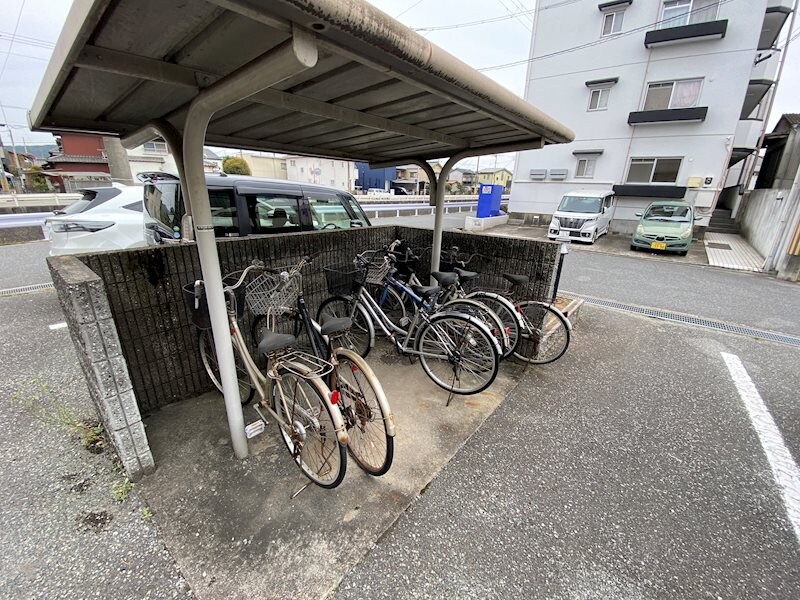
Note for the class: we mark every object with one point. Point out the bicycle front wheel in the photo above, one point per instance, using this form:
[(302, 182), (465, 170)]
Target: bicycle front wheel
[(308, 428), (458, 353), (545, 334), (391, 303), (366, 413), (361, 336), (208, 355)]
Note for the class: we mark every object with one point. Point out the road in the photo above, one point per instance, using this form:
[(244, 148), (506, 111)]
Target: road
[(629, 469)]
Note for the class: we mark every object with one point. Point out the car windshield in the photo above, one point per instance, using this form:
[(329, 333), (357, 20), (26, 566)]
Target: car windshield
[(668, 212), (580, 204)]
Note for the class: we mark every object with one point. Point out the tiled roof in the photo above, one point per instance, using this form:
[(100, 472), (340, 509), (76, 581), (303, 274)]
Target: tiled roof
[(792, 118), (76, 158)]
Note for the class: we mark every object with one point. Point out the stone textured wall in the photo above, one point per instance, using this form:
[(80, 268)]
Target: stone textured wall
[(93, 330), (159, 343)]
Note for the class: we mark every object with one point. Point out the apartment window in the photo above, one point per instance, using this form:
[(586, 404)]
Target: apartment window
[(292, 163), (598, 98), (585, 168), (653, 170), (676, 13), (155, 147), (301, 169), (672, 94), (612, 23)]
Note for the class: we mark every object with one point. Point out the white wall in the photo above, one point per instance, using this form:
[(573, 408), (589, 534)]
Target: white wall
[(340, 174), (762, 218), (558, 88)]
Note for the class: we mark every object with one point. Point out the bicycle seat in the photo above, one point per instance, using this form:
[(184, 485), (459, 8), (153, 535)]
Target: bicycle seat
[(332, 326), (465, 275), (445, 279), (272, 342), (426, 292), (517, 279)]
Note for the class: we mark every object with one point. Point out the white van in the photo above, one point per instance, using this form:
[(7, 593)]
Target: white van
[(583, 215)]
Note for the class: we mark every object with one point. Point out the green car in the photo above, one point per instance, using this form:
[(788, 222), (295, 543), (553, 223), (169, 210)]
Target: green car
[(665, 225)]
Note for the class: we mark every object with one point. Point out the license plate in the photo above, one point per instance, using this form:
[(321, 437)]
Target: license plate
[(658, 245)]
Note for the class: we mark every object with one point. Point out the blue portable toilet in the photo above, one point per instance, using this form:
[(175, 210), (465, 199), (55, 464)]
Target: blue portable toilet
[(489, 197)]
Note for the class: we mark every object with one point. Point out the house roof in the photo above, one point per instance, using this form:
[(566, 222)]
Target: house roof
[(495, 170), (210, 154), (76, 158), (370, 90)]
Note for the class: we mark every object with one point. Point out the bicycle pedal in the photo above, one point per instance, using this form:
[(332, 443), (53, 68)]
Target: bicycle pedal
[(404, 321), (254, 428)]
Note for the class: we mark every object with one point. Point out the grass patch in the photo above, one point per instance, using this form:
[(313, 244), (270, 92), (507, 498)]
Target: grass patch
[(121, 489), (43, 406), (146, 513)]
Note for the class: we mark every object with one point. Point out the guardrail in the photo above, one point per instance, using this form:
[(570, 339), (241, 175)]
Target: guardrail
[(50, 199), (23, 220), (405, 209), (422, 199)]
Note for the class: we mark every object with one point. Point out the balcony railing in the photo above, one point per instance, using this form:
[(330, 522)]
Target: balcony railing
[(669, 115), (694, 32)]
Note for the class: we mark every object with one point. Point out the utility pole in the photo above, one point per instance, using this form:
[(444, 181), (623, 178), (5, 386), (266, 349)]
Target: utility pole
[(20, 174), (3, 180)]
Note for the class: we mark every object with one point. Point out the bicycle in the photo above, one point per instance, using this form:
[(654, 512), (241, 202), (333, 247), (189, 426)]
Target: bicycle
[(362, 401), (394, 303), (543, 331), (305, 409), (457, 352)]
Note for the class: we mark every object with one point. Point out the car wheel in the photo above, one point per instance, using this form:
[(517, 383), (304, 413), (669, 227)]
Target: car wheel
[(634, 248), (683, 253)]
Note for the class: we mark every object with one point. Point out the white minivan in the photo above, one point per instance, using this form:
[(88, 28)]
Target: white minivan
[(583, 215)]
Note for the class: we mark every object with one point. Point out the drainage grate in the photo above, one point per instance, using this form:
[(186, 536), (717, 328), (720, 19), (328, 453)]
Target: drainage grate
[(718, 246), (26, 289), (655, 313)]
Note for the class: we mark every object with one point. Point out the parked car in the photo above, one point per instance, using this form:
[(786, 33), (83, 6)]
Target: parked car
[(108, 218), (583, 215), (243, 205), (665, 225)]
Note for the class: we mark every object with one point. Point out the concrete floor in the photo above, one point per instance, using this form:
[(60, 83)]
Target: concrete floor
[(232, 526)]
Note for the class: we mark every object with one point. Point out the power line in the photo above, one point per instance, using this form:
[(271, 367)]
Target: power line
[(27, 41), (518, 18), (11, 45), (416, 4), (602, 40), (24, 55), (529, 11)]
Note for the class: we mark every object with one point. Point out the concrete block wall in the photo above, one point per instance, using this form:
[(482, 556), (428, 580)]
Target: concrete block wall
[(93, 330)]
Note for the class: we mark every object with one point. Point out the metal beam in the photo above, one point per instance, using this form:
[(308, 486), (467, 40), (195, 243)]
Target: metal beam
[(293, 102), (140, 67)]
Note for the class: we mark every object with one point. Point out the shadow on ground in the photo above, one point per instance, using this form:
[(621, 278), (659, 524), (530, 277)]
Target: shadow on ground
[(232, 525)]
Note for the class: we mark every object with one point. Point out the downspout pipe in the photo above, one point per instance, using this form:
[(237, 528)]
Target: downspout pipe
[(293, 56)]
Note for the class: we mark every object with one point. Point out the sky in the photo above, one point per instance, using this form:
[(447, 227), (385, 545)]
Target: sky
[(481, 46)]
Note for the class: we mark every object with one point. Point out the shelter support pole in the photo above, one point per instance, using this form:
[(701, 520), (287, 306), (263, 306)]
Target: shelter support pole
[(293, 56), (437, 195)]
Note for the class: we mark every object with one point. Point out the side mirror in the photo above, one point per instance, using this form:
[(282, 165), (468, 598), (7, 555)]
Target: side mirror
[(159, 239), (356, 223), (698, 218), (639, 214)]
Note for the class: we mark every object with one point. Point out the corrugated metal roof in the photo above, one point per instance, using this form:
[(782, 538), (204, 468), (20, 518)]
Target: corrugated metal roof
[(378, 92)]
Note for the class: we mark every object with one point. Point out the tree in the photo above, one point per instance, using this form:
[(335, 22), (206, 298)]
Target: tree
[(235, 165)]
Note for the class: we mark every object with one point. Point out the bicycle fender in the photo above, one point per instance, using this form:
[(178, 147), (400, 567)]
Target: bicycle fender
[(379, 393), (499, 298)]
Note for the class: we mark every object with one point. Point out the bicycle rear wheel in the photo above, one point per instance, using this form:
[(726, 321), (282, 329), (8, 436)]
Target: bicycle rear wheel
[(208, 355), (545, 334), (505, 310), (365, 411), (485, 315), (392, 304), (361, 336), (309, 433), (458, 353)]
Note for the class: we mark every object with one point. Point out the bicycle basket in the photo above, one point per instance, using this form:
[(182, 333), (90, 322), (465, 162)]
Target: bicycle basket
[(377, 266), (276, 291), (344, 279)]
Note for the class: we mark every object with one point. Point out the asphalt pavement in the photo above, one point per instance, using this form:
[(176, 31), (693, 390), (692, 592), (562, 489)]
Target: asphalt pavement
[(24, 264), (629, 469), (62, 533), (752, 299)]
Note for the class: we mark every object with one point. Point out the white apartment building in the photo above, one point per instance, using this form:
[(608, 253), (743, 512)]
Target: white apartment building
[(341, 174), (155, 156), (663, 96)]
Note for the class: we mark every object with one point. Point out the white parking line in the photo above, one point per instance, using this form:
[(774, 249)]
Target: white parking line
[(55, 326), (784, 469)]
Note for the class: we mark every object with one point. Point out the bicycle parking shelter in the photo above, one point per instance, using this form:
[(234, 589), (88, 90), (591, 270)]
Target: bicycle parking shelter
[(330, 78)]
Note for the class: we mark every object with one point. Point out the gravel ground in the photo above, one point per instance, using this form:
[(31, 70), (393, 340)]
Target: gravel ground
[(63, 535)]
